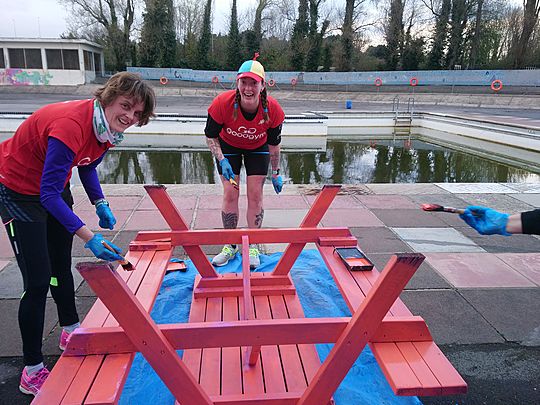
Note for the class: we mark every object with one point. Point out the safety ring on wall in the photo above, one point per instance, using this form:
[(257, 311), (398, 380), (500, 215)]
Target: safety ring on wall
[(496, 85), (271, 82), (378, 82), (413, 81), (163, 80), (215, 79), (293, 81)]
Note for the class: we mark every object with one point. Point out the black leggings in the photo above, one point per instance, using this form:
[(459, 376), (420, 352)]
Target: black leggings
[(42, 248), (255, 160)]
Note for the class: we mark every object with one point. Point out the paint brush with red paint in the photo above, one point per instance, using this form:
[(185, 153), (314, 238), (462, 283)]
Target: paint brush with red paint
[(126, 264), (437, 207)]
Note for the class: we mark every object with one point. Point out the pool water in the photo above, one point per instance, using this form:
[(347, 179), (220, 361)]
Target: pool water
[(344, 162)]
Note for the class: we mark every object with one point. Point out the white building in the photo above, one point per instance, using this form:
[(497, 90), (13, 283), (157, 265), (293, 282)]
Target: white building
[(39, 61)]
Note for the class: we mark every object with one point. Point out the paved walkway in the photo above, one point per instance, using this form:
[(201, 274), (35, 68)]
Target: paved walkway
[(472, 290)]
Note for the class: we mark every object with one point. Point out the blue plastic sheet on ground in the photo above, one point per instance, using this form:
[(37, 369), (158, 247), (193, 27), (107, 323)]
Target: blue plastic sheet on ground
[(365, 382)]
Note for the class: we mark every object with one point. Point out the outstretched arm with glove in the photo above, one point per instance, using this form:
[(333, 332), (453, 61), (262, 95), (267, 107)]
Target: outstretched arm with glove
[(487, 221)]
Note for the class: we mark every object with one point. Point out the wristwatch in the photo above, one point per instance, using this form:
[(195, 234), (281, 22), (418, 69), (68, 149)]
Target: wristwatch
[(101, 201), (275, 172)]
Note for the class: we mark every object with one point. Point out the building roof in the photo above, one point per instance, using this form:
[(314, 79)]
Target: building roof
[(45, 41)]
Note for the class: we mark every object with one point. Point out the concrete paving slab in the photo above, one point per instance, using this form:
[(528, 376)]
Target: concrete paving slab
[(215, 202), (293, 202), (476, 270), (405, 188), (475, 188), (152, 220), (5, 245), (3, 263), (92, 220), (408, 218), (509, 311), (450, 318), (358, 217), (340, 201), (526, 264), (450, 219), (387, 201), (11, 344), (379, 240), (211, 219), (283, 218), (424, 278), (524, 187), (184, 201), (447, 199), (503, 203), (502, 244), (436, 240), (116, 203), (531, 199)]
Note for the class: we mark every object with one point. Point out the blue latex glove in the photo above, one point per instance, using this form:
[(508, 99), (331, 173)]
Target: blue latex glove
[(106, 217), (277, 182), (226, 169), (100, 251), (486, 221)]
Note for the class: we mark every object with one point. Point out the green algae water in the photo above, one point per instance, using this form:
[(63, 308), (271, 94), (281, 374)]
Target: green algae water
[(343, 162)]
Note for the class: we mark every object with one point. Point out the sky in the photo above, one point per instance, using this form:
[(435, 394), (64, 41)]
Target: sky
[(47, 18)]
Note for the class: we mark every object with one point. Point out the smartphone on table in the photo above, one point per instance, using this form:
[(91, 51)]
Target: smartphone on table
[(354, 258)]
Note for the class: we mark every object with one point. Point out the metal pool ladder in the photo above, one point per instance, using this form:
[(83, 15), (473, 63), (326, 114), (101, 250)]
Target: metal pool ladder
[(402, 120)]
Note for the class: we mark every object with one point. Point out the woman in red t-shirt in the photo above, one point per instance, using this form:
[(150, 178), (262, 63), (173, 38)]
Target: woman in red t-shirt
[(245, 125)]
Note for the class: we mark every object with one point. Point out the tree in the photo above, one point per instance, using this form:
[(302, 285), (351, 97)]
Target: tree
[(158, 37), (298, 48), (347, 36), (234, 44), (189, 16), (315, 37), (394, 34), (531, 9), (475, 45), (116, 17), (203, 46), (257, 25), (458, 22), (440, 35)]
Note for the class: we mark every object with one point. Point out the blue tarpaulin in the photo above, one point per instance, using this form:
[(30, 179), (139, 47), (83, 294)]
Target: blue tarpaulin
[(364, 384)]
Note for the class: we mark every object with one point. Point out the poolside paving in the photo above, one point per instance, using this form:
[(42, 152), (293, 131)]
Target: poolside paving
[(471, 289)]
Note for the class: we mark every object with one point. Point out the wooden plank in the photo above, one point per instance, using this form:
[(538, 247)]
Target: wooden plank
[(85, 378), (273, 374), (143, 332), (256, 280), (430, 384), (177, 223), (239, 291), (145, 285), (399, 374), (192, 357), (231, 366), (137, 246), (198, 237), (211, 358), (308, 353), (446, 374), (61, 380), (343, 241), (311, 220), (295, 380), (362, 327), (252, 376), (286, 398)]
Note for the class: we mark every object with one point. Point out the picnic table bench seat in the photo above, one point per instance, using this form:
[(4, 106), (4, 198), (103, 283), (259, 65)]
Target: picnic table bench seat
[(412, 366)]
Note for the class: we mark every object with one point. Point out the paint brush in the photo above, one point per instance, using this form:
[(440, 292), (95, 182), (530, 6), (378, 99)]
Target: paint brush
[(126, 264), (437, 207), (234, 183)]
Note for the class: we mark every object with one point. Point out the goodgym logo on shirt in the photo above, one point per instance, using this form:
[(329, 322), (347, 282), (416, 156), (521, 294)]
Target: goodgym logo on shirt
[(247, 133)]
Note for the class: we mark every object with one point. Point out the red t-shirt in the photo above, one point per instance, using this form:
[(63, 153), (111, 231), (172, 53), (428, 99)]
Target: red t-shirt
[(22, 157), (242, 133)]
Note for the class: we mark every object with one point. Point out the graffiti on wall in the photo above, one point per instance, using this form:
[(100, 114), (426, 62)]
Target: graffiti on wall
[(20, 77)]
